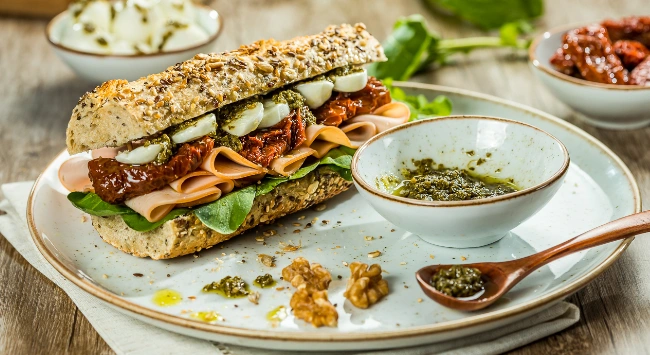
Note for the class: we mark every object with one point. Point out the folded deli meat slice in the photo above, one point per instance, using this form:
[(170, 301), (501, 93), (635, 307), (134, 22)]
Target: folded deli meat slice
[(225, 163), (323, 138), (385, 117), (289, 163), (356, 130), (156, 205), (73, 174), (199, 180), (359, 132)]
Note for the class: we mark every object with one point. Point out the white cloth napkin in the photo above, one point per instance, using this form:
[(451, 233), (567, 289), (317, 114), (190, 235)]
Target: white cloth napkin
[(126, 335)]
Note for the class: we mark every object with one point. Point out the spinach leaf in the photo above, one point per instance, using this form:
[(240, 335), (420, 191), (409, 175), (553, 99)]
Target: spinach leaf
[(94, 205), (141, 224), (227, 214), (490, 14)]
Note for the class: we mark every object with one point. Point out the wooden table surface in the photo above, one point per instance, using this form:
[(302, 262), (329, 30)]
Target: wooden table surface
[(38, 93)]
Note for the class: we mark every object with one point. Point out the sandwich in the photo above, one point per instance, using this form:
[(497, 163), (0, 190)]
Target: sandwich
[(182, 160)]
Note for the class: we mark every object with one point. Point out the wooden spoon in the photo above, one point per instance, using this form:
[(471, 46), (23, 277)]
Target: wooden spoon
[(500, 277)]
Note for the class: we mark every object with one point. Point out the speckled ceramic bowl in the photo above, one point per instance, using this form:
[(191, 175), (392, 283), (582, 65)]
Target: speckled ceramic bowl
[(98, 68), (535, 160), (603, 105)]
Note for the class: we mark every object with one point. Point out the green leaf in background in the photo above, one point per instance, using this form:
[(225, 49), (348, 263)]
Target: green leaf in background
[(226, 214), (412, 47), (490, 14), (139, 223), (94, 205), (510, 32), (405, 49)]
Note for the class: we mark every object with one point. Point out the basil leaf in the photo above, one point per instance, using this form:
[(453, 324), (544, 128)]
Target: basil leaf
[(227, 214), (139, 223), (94, 205)]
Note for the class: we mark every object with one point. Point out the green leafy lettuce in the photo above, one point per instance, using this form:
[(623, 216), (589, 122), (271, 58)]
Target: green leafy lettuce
[(412, 47), (224, 215)]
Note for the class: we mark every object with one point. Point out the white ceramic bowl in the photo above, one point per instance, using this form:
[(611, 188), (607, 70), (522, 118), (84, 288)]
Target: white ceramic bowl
[(98, 68), (603, 105), (535, 160)]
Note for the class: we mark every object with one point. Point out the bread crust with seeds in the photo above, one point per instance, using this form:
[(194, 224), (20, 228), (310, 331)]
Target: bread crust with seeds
[(119, 111), (187, 234)]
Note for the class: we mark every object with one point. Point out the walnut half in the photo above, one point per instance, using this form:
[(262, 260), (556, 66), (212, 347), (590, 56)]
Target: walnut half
[(300, 272), (313, 306), (365, 286)]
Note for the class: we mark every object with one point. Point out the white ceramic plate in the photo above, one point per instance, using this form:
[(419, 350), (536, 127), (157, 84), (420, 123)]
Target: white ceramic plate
[(597, 189)]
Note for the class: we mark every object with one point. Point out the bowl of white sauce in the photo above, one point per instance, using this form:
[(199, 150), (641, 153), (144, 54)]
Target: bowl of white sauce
[(127, 39)]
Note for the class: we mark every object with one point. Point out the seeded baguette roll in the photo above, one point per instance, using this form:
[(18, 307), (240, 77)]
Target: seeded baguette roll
[(119, 111), (187, 234)]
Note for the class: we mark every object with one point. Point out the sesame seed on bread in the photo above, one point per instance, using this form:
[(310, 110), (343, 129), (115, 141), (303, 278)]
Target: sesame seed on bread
[(119, 111)]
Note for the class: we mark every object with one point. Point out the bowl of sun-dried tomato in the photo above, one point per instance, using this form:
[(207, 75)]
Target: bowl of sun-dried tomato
[(600, 70)]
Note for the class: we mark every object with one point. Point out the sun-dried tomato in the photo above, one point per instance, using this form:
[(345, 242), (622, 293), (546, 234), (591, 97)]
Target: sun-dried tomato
[(115, 182), (262, 146), (344, 105)]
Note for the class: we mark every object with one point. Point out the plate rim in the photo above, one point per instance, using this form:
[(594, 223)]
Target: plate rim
[(307, 337)]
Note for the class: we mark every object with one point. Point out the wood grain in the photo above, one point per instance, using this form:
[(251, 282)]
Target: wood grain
[(38, 93)]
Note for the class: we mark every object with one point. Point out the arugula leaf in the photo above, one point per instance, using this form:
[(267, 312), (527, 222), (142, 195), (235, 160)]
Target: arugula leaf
[(226, 214), (490, 14), (94, 205), (139, 223)]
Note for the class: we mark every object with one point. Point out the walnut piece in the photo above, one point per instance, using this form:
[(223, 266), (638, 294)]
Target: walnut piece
[(300, 272), (313, 306), (365, 286)]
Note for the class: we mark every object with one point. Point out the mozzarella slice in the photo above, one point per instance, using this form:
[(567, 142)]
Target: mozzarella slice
[(203, 126), (273, 113), (140, 155), (352, 82), (247, 122), (315, 92)]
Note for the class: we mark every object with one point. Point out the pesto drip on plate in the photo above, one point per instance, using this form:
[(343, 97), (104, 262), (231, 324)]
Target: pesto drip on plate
[(264, 281), (231, 287), (434, 182)]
